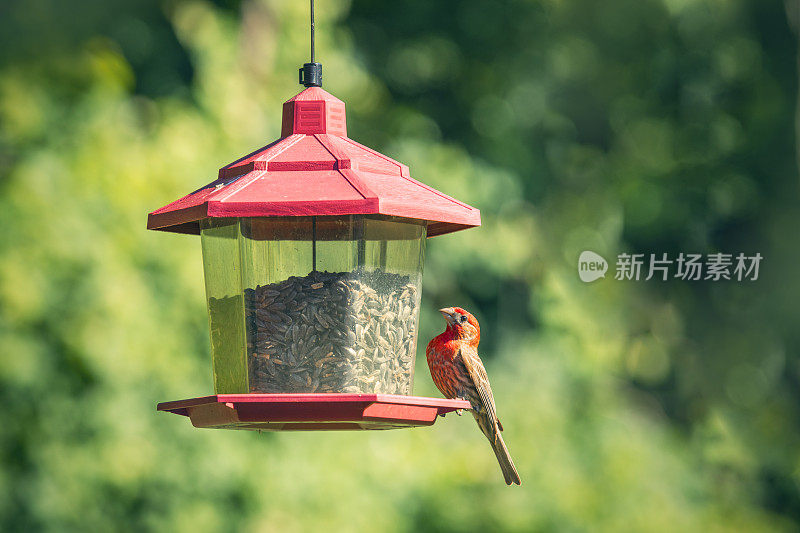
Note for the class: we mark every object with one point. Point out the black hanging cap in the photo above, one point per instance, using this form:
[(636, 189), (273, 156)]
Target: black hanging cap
[(311, 73)]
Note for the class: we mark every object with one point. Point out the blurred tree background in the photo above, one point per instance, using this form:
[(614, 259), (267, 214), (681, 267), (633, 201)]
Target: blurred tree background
[(639, 126)]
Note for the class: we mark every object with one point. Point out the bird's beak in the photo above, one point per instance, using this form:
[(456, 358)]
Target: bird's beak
[(448, 313)]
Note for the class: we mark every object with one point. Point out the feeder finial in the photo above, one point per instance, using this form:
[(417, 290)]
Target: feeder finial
[(311, 73)]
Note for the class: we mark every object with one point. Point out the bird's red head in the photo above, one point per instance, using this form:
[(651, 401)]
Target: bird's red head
[(462, 325)]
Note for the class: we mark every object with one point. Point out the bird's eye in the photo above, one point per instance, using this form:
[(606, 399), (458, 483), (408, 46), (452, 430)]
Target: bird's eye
[(462, 318)]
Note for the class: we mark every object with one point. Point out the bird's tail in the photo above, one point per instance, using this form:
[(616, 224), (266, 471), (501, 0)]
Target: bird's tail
[(504, 458), (492, 431)]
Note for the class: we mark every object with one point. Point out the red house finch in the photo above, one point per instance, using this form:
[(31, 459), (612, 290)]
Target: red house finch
[(458, 372)]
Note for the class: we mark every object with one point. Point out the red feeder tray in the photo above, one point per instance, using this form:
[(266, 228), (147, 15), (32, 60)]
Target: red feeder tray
[(298, 412)]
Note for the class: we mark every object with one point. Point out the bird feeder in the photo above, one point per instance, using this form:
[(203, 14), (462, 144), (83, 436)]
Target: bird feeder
[(313, 252)]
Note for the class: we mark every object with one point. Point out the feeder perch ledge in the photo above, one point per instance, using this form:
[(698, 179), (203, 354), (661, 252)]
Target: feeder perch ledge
[(297, 412)]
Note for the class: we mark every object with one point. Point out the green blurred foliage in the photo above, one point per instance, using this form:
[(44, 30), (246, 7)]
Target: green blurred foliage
[(639, 126)]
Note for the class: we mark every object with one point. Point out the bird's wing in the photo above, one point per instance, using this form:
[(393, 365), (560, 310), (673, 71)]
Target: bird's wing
[(480, 380)]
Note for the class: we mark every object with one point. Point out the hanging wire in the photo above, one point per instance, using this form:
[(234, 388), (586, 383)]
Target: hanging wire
[(311, 73), (312, 31)]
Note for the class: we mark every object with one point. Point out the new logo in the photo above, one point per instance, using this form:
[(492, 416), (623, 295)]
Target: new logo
[(591, 266)]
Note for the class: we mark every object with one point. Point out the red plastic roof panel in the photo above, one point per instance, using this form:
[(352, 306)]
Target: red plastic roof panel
[(298, 412), (315, 169)]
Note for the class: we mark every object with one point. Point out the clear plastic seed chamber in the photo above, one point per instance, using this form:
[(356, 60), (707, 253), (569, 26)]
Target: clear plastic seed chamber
[(323, 304)]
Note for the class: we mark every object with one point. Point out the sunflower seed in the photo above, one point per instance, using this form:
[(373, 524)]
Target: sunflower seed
[(328, 332)]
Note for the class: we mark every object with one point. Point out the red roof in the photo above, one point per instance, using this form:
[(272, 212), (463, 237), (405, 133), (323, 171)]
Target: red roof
[(315, 169)]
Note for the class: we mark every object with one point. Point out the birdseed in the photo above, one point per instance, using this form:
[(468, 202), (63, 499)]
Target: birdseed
[(352, 332)]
